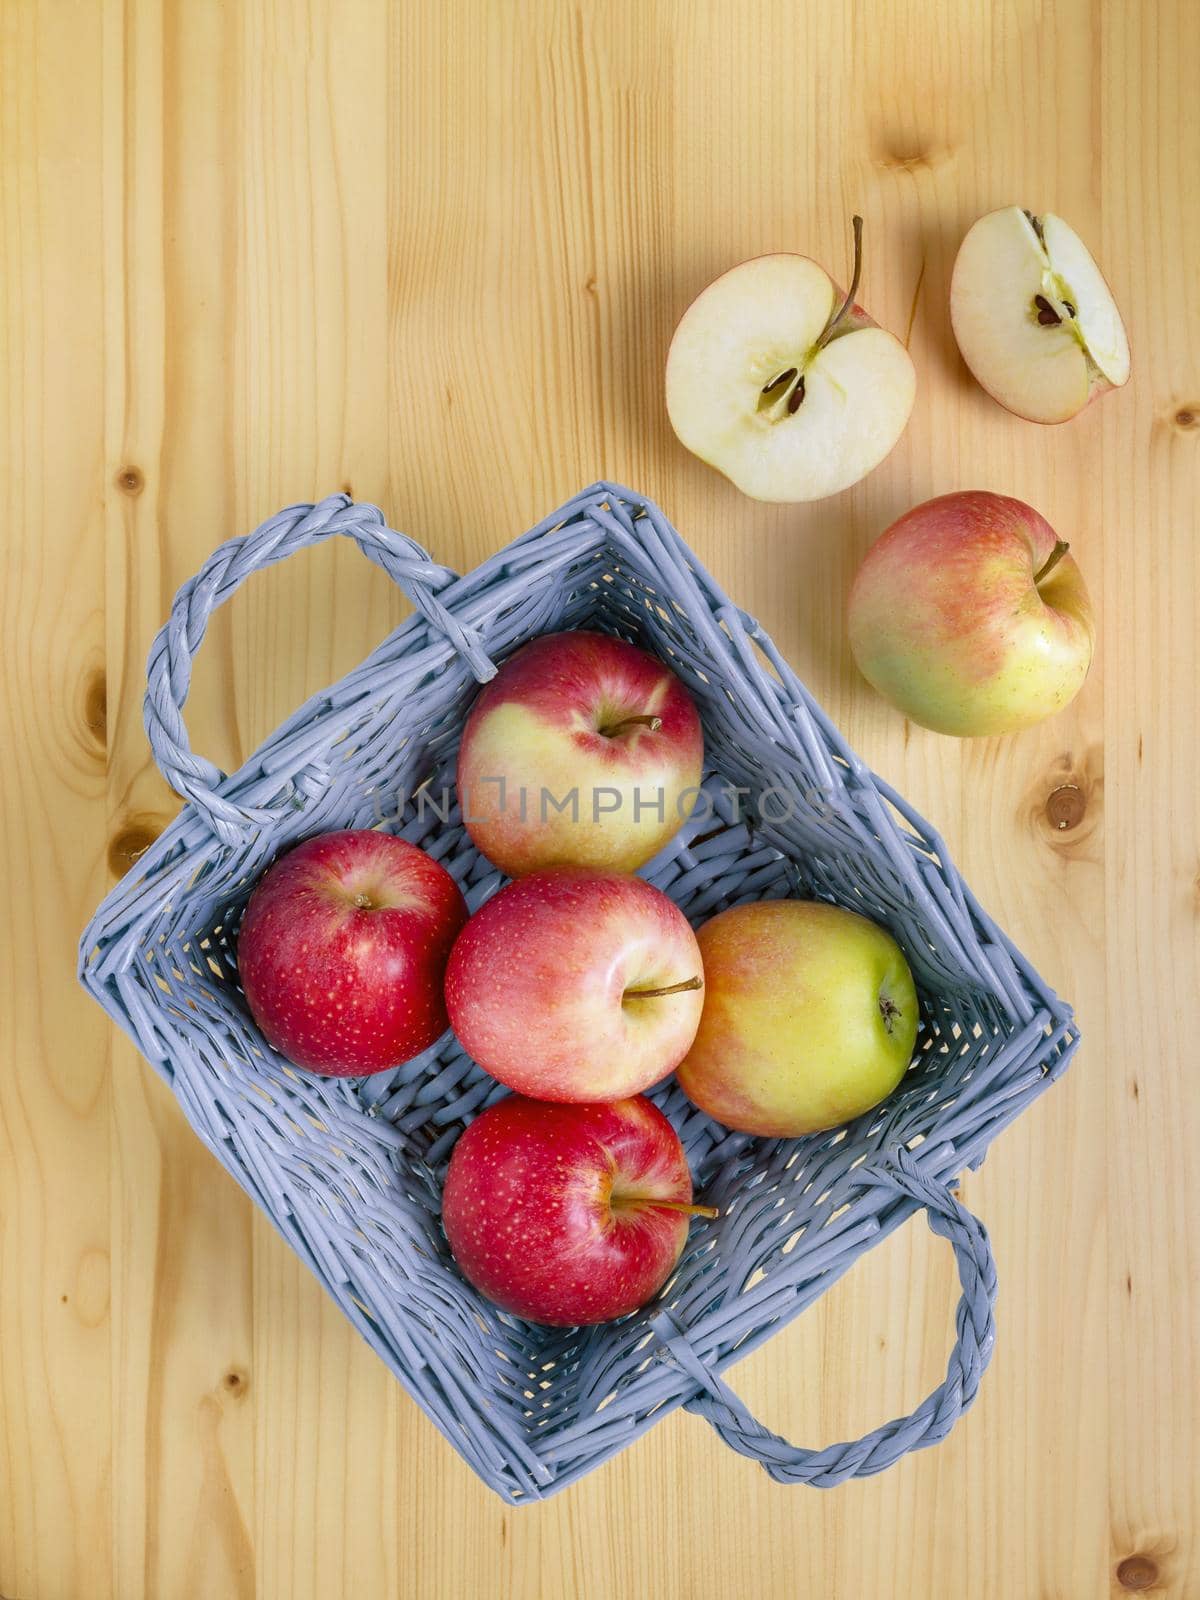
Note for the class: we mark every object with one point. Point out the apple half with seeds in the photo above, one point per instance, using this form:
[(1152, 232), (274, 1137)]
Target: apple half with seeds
[(1034, 319), (785, 385)]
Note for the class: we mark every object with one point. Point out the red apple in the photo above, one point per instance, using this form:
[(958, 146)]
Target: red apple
[(572, 984), (969, 615), (582, 750), (343, 950), (568, 1214)]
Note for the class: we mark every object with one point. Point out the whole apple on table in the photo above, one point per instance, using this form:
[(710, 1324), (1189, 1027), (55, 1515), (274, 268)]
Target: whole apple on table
[(970, 616)]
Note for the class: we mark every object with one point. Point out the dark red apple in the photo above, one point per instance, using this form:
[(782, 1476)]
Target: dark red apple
[(568, 1214), (343, 950)]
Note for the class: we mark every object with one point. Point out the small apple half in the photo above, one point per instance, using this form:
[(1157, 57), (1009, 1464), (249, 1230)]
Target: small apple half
[(1034, 319), (786, 387)]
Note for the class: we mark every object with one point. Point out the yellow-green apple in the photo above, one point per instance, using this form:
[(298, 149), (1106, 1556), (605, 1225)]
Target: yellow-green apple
[(1033, 316), (785, 385), (568, 1214), (342, 952), (582, 750), (810, 1016), (573, 984), (969, 615)]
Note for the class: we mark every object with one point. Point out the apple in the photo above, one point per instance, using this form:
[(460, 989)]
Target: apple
[(1034, 319), (969, 615), (573, 984), (784, 385), (568, 1214), (810, 1016), (581, 750), (343, 949)]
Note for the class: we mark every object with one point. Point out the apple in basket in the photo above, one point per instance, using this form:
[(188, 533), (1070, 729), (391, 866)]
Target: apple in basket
[(342, 952), (1034, 319), (568, 1214), (573, 984), (785, 385), (810, 1017), (969, 615), (583, 750)]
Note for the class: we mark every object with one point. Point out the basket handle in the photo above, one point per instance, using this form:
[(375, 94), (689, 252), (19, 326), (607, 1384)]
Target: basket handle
[(169, 669), (933, 1419)]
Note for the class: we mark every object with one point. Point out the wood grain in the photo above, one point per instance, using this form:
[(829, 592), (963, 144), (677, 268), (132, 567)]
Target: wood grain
[(434, 253)]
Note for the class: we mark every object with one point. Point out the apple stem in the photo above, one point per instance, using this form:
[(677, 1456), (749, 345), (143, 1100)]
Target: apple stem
[(1060, 549), (614, 728), (672, 988), (832, 325), (682, 1206)]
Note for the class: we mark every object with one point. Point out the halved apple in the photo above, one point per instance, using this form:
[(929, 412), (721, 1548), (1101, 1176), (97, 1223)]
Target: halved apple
[(786, 387), (1033, 316)]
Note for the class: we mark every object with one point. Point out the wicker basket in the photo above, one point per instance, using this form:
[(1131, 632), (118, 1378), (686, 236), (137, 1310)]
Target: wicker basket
[(349, 1170)]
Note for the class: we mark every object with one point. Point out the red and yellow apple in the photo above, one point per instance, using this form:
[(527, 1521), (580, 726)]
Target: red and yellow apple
[(969, 616), (573, 984), (568, 1214), (582, 750), (785, 385), (1034, 319), (810, 1016), (342, 952)]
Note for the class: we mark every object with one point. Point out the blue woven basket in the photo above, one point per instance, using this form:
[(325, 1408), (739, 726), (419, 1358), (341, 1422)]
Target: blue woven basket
[(349, 1171)]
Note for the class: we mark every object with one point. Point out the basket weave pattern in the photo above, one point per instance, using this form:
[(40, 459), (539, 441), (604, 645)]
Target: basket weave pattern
[(349, 1170)]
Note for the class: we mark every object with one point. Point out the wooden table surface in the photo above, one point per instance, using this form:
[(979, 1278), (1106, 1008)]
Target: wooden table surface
[(433, 253)]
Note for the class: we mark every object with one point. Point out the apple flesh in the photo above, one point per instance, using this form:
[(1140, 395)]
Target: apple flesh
[(969, 616), (573, 984), (785, 385), (810, 1017), (342, 952), (1033, 317), (568, 1215), (581, 750)]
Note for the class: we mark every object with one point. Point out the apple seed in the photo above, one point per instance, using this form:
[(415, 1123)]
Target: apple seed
[(781, 382)]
